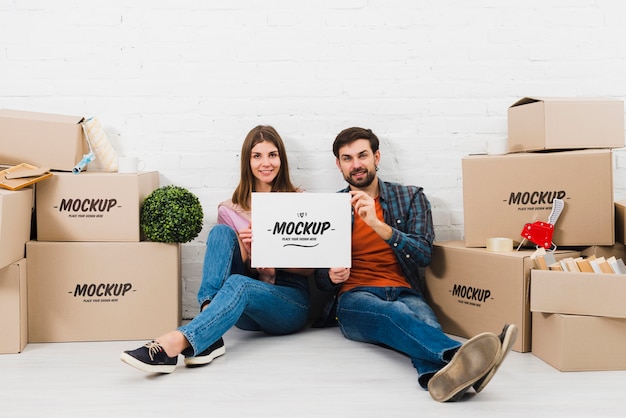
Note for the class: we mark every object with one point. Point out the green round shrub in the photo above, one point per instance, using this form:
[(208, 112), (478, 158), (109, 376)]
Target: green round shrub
[(171, 214)]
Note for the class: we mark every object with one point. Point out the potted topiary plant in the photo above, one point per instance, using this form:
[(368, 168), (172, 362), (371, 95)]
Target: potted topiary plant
[(171, 214)]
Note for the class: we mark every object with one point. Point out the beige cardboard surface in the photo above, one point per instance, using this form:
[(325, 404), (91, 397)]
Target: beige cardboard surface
[(503, 193), (472, 290), (16, 210), (620, 221), (41, 139), (579, 343), (99, 291), (22, 175), (578, 293), (13, 308), (92, 206), (565, 123), (618, 250)]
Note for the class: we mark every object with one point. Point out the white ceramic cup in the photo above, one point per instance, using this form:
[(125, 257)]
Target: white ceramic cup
[(129, 165), (497, 146)]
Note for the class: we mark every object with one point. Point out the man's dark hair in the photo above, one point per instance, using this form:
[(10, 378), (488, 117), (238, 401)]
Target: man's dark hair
[(349, 135)]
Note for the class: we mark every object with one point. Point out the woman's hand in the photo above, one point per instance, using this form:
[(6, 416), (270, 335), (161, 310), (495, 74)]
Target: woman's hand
[(339, 275), (245, 236), (267, 274)]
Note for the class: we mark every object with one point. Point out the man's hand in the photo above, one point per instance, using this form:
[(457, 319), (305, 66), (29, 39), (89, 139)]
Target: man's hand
[(365, 208)]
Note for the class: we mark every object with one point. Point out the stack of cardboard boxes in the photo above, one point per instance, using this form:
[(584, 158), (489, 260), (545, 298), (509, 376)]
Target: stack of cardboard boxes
[(557, 148), (15, 222), (90, 275)]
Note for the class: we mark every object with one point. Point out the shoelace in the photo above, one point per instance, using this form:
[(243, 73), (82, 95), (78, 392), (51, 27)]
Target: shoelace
[(153, 348)]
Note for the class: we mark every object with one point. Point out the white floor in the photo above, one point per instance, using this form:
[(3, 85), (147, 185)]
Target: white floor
[(316, 373)]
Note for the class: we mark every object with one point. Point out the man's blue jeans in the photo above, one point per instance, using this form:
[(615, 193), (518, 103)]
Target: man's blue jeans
[(236, 299), (397, 317)]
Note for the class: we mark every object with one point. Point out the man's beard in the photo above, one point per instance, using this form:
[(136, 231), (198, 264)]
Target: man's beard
[(366, 181)]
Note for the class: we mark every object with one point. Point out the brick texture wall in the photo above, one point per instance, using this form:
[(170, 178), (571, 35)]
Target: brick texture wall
[(181, 83)]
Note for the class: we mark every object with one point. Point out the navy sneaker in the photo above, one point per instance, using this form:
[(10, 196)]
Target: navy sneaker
[(215, 350), (150, 358)]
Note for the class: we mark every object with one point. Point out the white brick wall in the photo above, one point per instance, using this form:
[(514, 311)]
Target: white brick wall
[(180, 83)]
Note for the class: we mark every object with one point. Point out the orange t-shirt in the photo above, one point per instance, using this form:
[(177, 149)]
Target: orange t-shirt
[(373, 260)]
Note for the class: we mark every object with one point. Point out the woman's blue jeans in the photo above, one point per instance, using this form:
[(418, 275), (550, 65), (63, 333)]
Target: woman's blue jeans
[(397, 317), (239, 300)]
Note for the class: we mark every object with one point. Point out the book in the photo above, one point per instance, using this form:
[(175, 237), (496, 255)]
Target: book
[(556, 266), (542, 259), (594, 264), (617, 265), (583, 264), (538, 259), (571, 264), (549, 258), (599, 265)]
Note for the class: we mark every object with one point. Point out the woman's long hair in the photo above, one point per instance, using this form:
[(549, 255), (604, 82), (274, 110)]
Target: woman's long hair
[(282, 182)]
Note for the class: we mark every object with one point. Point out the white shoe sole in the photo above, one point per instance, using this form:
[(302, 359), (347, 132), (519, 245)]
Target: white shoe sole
[(203, 360), (148, 368)]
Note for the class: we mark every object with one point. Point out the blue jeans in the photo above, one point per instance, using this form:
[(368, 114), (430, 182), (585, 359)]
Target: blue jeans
[(399, 318), (236, 299)]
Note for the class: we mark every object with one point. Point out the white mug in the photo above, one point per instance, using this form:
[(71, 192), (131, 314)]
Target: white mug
[(129, 165), (497, 146)]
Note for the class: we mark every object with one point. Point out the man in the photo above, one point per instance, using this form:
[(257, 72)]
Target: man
[(392, 236)]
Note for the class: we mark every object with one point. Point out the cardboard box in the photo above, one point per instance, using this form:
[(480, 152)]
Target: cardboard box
[(503, 193), (618, 250), (579, 343), (99, 291), (92, 206), (536, 124), (578, 293), (13, 308), (41, 139), (472, 290), (16, 211), (620, 221), (579, 319)]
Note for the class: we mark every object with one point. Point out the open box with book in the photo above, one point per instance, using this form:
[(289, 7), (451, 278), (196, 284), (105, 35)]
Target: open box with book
[(578, 319)]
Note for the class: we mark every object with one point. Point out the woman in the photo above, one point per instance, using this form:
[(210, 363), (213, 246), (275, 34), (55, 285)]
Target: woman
[(275, 301)]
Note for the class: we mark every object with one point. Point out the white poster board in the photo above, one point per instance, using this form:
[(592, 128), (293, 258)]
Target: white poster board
[(308, 230)]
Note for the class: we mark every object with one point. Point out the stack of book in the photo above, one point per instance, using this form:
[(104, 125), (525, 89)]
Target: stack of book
[(544, 260)]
